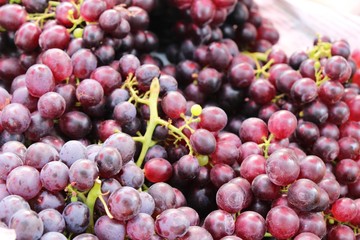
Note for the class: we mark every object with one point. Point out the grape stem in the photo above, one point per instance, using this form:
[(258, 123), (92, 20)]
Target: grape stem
[(152, 103), (265, 146), (94, 193), (150, 98)]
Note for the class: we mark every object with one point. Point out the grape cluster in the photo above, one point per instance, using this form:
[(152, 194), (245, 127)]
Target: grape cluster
[(176, 120)]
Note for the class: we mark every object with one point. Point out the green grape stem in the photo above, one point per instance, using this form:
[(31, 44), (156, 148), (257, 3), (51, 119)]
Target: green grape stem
[(265, 146), (151, 98), (94, 193)]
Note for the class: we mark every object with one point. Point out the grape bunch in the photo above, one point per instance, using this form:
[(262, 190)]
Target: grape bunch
[(173, 119)]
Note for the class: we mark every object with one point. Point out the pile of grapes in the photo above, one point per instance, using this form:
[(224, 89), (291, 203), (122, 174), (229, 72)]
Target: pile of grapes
[(174, 120)]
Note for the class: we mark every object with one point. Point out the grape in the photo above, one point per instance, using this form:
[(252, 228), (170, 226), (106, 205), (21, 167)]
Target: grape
[(282, 124), (27, 37), (15, 118), (10, 205), (92, 10), (109, 161), (39, 154), (312, 168), (304, 90), (62, 13), (286, 80), (75, 124), (140, 227), (326, 148), (344, 209), (305, 236), (53, 220), (196, 232), (56, 36), (27, 224), (108, 77), (76, 216), (124, 203), (82, 174), (312, 223), (202, 11), (46, 199), (230, 198), (92, 35), (282, 167), (71, 151), (250, 225), (241, 75), (220, 174), (54, 176), (158, 170), (191, 214), (173, 104), (147, 203), (347, 171), (171, 224), (86, 236), (24, 181), (213, 119), (131, 175), (164, 197), (253, 130), (12, 16), (53, 236), (341, 231), (337, 69), (188, 167), (282, 222), (264, 189), (124, 113), (84, 62), (106, 228), (123, 143), (219, 224), (8, 161), (203, 141), (301, 188), (252, 166)]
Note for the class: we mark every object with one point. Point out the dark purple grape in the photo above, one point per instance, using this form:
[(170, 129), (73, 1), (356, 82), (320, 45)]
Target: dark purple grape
[(76, 216), (75, 124), (203, 141)]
